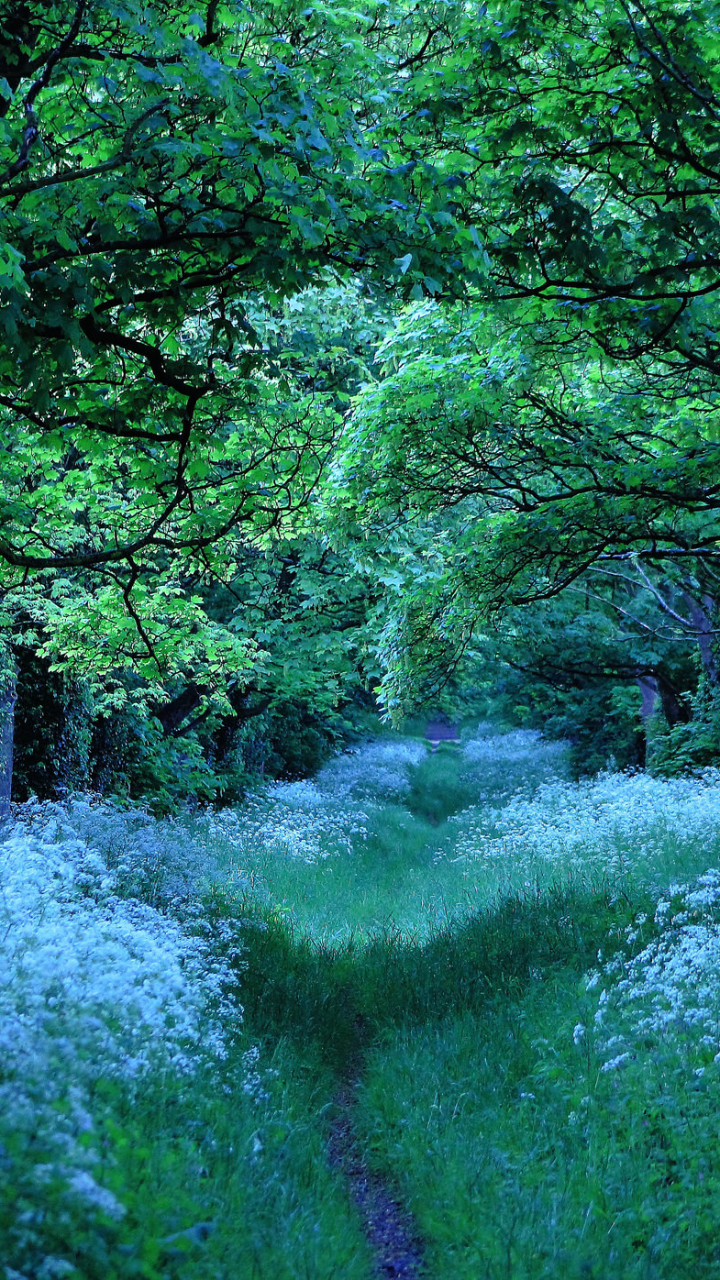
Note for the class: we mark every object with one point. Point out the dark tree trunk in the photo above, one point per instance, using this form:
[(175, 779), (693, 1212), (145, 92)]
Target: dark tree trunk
[(8, 697), (675, 708), (650, 695), (701, 613), (171, 714)]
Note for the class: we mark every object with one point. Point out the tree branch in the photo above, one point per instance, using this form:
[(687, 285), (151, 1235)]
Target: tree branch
[(32, 132)]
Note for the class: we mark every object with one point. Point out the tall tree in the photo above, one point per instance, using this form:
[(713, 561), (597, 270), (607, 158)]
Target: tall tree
[(564, 419), (161, 169)]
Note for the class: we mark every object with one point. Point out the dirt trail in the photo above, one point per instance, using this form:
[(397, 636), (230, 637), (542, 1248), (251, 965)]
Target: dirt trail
[(390, 1229)]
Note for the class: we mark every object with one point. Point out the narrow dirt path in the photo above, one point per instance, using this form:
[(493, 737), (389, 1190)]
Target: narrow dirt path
[(390, 1229)]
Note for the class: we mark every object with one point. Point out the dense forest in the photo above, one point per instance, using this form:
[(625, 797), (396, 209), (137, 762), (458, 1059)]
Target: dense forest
[(352, 356), (358, 366)]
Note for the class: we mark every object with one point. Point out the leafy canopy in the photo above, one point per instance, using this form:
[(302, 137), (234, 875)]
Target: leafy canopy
[(167, 178)]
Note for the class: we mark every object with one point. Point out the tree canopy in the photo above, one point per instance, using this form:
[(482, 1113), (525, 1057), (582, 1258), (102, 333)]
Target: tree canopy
[(565, 411), (166, 177), (215, 220)]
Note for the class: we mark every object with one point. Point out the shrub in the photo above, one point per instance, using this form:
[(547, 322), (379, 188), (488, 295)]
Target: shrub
[(691, 746)]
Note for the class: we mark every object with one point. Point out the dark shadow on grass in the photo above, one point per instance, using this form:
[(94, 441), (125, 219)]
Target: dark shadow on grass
[(299, 989), (436, 789), (331, 1002)]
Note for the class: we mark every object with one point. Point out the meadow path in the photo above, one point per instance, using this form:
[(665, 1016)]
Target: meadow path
[(390, 1229)]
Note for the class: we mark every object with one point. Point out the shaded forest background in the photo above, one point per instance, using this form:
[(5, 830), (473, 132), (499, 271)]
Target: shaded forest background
[(355, 360)]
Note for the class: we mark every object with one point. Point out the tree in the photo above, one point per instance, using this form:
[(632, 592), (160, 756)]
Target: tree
[(162, 170), (563, 421)]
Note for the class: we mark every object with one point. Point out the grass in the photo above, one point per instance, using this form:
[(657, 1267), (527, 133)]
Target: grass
[(518, 1154), (215, 1182), (398, 877), (457, 990), (520, 1157), (252, 1167)]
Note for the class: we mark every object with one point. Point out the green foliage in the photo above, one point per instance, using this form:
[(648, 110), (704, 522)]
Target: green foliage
[(181, 353), (498, 463), (165, 402), (684, 748), (600, 722), (64, 742), (298, 741), (53, 731), (135, 760), (561, 422)]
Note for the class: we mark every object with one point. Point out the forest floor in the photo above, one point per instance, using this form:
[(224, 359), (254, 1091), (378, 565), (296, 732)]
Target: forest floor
[(480, 1032)]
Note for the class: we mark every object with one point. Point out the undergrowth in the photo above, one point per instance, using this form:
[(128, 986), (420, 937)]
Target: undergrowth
[(521, 971)]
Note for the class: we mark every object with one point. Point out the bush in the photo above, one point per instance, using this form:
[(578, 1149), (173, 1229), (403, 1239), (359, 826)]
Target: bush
[(687, 747), (63, 744), (600, 722), (53, 731)]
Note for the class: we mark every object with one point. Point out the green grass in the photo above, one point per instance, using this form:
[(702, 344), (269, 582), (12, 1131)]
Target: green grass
[(517, 1154), (389, 880), (217, 1182), (397, 879), (520, 1158), (337, 999), (455, 1004)]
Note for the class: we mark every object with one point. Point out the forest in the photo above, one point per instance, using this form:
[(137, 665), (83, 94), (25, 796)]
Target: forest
[(359, 662)]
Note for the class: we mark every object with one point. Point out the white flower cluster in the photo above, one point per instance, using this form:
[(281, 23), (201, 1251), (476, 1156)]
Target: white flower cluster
[(124, 980), (163, 862), (499, 766), (92, 984), (671, 989), (377, 770), (293, 819), (311, 820), (608, 824), (488, 746)]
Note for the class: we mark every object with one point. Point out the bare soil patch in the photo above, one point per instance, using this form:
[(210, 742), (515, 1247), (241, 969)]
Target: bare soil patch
[(390, 1229)]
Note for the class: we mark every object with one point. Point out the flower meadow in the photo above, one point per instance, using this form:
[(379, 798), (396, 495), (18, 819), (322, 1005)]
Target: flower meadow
[(538, 959), (668, 992), (557, 1114), (292, 820), (96, 985), (613, 825), (316, 818)]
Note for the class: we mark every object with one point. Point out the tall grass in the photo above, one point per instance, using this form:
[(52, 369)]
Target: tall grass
[(143, 1132), (539, 1020), (523, 971)]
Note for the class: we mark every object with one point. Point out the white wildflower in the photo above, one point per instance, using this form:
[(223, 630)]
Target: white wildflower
[(614, 1063), (92, 983), (83, 1184)]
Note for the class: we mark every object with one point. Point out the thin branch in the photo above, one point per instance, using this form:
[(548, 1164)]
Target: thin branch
[(32, 132)]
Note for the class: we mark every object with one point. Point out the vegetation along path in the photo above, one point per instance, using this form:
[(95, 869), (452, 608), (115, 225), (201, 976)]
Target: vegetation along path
[(484, 966), (351, 356), (479, 1033)]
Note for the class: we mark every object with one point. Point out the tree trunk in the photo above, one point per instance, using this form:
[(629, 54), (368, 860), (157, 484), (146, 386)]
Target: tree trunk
[(650, 695), (674, 706), (701, 613), (8, 697)]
